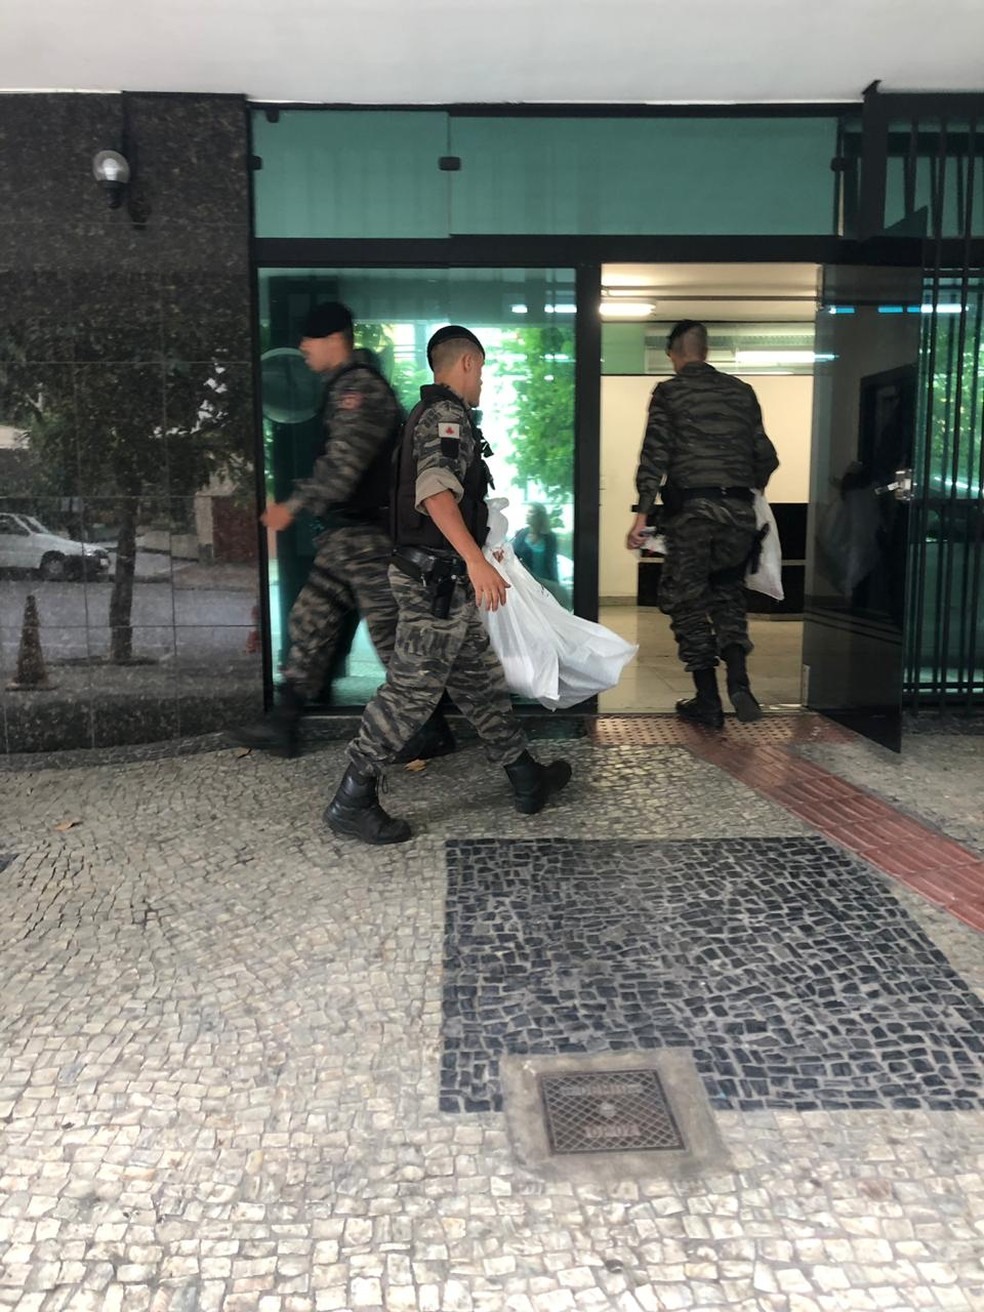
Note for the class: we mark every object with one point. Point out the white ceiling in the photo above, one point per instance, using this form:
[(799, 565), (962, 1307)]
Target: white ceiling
[(445, 51)]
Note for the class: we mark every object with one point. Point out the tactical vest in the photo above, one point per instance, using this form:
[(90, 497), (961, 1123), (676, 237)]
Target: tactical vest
[(409, 528), (371, 497)]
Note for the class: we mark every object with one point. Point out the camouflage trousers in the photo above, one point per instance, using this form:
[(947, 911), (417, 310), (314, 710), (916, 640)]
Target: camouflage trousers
[(432, 655), (349, 572), (701, 585)]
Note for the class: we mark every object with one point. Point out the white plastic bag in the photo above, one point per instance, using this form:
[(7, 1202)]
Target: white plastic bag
[(847, 537), (498, 523), (548, 654), (768, 577)]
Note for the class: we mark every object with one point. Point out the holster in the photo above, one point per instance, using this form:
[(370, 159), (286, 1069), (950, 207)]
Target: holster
[(755, 555), (736, 573), (438, 573)]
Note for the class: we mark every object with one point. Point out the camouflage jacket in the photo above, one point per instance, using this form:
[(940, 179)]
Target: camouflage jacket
[(704, 430), (361, 414)]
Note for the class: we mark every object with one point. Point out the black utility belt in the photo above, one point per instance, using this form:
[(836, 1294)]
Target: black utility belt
[(428, 566), (715, 493)]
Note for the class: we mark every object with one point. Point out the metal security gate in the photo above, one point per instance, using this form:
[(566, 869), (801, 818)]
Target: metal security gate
[(945, 649), (917, 165)]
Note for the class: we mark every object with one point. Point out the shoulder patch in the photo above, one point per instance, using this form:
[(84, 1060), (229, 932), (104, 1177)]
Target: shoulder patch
[(450, 430), (351, 400)]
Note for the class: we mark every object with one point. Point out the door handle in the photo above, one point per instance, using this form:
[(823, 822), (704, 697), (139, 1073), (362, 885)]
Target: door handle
[(901, 489)]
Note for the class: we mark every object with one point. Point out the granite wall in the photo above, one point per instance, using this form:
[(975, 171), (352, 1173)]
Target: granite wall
[(127, 447)]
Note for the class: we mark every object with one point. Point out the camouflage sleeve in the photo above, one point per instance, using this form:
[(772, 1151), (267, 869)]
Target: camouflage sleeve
[(764, 457), (358, 421), (654, 459), (443, 447)]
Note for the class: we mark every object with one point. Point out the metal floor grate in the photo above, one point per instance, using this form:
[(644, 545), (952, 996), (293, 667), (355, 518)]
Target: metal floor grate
[(608, 1111)]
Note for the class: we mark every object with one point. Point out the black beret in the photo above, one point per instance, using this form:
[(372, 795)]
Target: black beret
[(326, 319), (678, 329), (450, 333)]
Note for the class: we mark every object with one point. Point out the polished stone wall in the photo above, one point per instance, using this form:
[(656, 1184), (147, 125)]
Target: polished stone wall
[(126, 423)]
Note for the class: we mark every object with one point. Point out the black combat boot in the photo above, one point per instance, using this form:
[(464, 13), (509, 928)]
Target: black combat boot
[(743, 700), (280, 730), (434, 738), (705, 708), (533, 783), (354, 812)]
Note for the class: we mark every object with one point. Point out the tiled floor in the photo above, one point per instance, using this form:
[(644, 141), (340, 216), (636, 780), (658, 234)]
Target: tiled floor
[(236, 1054), (656, 680)]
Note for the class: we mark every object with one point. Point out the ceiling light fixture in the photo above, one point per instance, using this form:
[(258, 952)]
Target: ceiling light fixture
[(765, 359), (626, 309)]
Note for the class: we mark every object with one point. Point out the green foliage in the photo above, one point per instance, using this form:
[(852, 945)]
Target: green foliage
[(406, 377), (79, 419), (540, 364), (954, 414)]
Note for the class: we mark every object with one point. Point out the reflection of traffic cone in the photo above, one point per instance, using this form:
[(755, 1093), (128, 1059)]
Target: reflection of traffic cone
[(30, 660), (253, 637)]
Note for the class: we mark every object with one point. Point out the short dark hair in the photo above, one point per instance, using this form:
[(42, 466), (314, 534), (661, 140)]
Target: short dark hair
[(449, 351), (689, 335), (462, 338)]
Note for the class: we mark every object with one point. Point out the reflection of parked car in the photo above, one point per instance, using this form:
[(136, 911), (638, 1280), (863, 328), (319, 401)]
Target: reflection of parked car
[(26, 545)]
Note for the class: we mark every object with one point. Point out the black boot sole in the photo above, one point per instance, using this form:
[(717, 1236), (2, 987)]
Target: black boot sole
[(706, 719), (747, 709), (532, 805), (288, 747), (349, 829)]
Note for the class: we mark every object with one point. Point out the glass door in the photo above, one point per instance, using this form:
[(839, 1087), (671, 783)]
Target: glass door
[(866, 384), (526, 321)]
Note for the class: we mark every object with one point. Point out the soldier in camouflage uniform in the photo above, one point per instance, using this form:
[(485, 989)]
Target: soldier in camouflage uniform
[(440, 577), (348, 491), (704, 434)]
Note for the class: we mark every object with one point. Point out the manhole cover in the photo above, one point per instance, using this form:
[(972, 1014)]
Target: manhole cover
[(610, 1116), (608, 1111)]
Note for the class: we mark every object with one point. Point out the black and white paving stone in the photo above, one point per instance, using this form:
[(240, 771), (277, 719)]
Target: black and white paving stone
[(220, 1069), (796, 977)]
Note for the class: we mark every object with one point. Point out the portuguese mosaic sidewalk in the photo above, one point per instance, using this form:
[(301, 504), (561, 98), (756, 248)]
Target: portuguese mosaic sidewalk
[(247, 1066)]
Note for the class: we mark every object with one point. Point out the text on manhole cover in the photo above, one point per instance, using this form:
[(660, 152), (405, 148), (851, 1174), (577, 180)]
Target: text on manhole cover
[(608, 1111)]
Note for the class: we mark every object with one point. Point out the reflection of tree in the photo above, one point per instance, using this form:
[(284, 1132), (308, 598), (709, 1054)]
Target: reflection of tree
[(116, 436), (949, 435), (946, 439), (539, 363), (406, 377)]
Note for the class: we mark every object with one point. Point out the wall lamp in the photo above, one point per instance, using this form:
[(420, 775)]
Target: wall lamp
[(112, 172)]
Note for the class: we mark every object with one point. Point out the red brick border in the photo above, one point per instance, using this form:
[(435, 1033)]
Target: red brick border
[(762, 756)]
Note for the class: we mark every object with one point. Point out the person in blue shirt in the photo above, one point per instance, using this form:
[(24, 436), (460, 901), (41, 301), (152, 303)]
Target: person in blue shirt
[(536, 546), (536, 549)]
